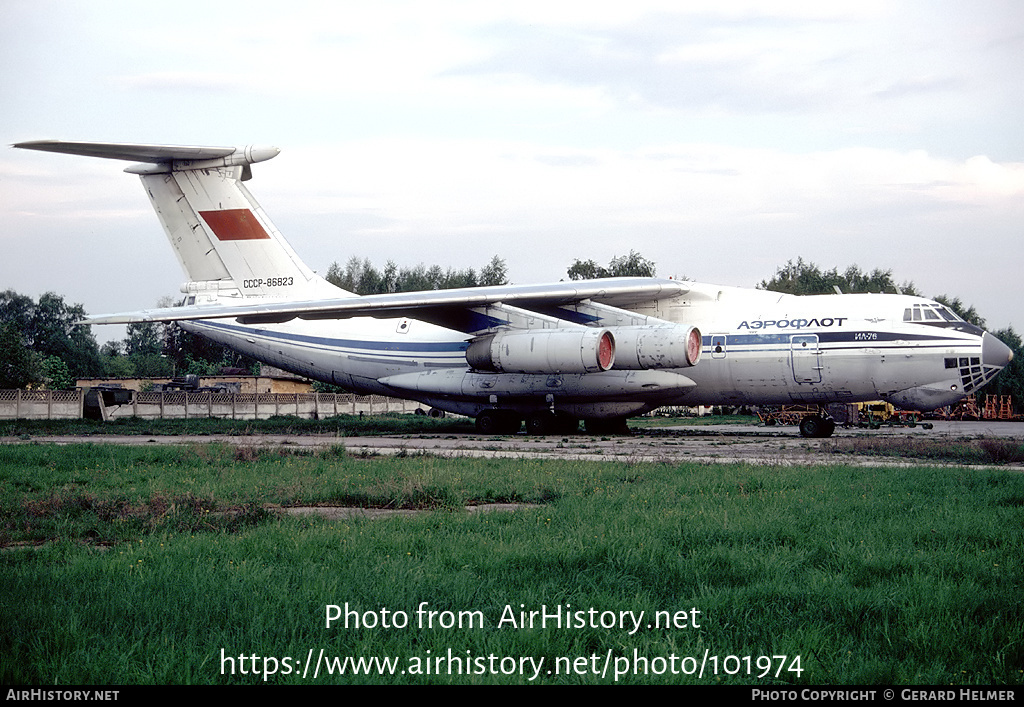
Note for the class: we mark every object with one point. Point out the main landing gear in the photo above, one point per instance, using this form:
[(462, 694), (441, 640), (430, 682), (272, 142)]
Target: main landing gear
[(817, 426), (544, 422), (498, 422)]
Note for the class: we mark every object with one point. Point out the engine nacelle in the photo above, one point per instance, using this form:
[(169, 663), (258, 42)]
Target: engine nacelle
[(644, 347), (582, 350)]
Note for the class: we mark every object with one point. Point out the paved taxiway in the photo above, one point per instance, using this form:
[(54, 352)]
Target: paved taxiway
[(709, 444)]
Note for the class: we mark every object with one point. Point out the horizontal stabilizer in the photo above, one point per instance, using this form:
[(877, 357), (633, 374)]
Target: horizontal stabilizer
[(156, 154), (127, 151)]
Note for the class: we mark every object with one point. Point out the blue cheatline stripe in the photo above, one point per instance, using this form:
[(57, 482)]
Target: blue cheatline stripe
[(396, 346), (769, 342), (744, 342), (832, 338)]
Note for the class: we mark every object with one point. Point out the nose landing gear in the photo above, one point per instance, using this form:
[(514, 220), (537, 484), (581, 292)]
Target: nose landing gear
[(817, 426)]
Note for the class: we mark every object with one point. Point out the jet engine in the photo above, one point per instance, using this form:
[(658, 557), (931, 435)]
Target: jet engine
[(644, 347), (582, 350)]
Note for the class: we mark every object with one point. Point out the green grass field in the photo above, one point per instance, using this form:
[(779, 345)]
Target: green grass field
[(341, 425), (140, 565)]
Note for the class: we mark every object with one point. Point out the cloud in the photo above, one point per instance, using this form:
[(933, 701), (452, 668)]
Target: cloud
[(684, 60), (436, 187), (182, 81)]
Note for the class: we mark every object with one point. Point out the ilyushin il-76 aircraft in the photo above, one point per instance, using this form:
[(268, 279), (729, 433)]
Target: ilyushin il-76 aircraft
[(551, 355)]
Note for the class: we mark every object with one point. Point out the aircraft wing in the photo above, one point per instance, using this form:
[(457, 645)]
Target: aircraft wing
[(434, 305)]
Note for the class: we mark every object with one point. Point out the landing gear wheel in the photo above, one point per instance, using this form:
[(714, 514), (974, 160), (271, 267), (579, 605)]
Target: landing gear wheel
[(817, 426), (488, 423), (497, 422), (540, 423)]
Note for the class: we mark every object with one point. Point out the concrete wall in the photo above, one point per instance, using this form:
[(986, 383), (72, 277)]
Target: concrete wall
[(41, 404), (69, 404)]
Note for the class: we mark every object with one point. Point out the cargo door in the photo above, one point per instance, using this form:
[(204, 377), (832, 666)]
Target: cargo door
[(806, 358)]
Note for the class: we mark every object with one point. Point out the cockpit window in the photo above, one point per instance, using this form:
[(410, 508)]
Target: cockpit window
[(929, 313)]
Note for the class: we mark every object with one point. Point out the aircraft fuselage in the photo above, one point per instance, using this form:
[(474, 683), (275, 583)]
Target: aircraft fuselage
[(759, 348)]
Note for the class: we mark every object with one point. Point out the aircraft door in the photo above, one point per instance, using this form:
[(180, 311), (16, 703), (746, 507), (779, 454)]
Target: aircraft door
[(718, 346), (806, 358)]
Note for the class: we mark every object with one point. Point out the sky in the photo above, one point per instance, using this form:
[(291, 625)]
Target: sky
[(718, 142)]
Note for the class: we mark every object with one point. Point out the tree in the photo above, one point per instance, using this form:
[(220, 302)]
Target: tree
[(185, 352), (144, 338), (17, 309), (632, 265), (494, 273), (55, 332), (18, 365), (803, 278), (361, 277), (144, 349), (55, 374), (49, 327), (586, 270), (115, 363)]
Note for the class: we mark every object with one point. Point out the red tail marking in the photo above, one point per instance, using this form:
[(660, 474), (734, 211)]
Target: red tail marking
[(235, 225)]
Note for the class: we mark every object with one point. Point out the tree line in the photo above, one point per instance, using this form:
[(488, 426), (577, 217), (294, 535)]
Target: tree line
[(361, 277), (40, 344)]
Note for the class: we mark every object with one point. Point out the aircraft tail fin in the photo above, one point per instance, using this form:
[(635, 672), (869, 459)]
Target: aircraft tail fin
[(224, 241)]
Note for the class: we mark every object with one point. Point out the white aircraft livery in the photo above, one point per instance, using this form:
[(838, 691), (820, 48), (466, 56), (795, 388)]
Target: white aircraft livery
[(597, 350)]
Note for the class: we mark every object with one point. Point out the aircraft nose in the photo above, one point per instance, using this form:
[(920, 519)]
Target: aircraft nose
[(994, 352)]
